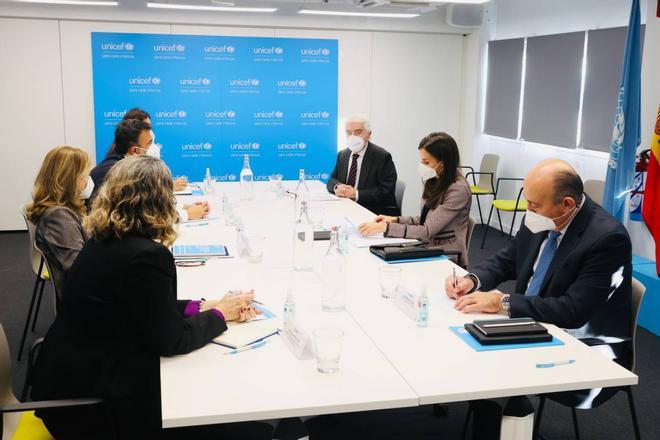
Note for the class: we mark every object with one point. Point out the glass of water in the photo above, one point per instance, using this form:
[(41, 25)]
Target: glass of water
[(275, 181), (256, 244), (230, 214), (316, 216), (327, 348), (390, 278)]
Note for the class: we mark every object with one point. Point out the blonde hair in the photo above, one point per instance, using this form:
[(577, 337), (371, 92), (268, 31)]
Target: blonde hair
[(57, 182), (136, 199)]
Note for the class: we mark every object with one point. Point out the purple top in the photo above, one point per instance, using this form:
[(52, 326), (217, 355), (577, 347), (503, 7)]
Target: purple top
[(192, 308)]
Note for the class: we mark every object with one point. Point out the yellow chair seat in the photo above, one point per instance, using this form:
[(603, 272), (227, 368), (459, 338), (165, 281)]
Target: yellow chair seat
[(479, 190), (44, 274), (510, 205), (30, 427)]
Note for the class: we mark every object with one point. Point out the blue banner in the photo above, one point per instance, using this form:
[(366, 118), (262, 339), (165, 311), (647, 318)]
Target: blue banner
[(627, 130), (214, 99)]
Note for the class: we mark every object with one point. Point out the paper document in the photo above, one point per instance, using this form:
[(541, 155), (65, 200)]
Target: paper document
[(359, 240), (201, 251), (240, 334)]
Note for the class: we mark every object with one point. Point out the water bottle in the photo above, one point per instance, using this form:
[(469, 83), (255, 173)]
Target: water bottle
[(242, 249), (422, 309), (208, 182), (334, 276), (301, 193), (225, 204), (247, 180), (303, 241), (289, 308), (343, 239)]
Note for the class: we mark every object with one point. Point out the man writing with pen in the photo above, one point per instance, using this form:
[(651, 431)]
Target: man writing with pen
[(572, 262)]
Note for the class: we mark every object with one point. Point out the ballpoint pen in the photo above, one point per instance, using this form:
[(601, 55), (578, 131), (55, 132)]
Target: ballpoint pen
[(555, 364), (248, 347), (455, 280)]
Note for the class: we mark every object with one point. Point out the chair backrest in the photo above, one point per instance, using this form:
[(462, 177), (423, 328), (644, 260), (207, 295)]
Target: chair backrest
[(9, 420), (35, 255), (399, 191), (638, 290), (595, 189), (470, 230), (489, 163)]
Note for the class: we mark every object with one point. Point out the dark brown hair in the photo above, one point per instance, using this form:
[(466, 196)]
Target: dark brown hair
[(443, 148)]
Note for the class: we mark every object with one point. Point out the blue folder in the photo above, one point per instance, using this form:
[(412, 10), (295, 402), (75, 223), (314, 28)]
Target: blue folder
[(469, 340)]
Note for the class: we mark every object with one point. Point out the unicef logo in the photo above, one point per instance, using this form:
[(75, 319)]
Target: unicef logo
[(325, 52), (302, 83), (180, 48), (231, 49), (325, 176), (231, 114), (302, 146), (254, 82), (279, 115), (129, 46), (182, 114), (255, 145), (231, 177), (207, 145), (279, 50), (155, 80), (206, 81), (325, 115)]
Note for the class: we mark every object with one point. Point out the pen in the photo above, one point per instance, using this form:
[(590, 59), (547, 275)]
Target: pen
[(248, 347), (349, 221), (197, 224), (455, 281), (555, 364)]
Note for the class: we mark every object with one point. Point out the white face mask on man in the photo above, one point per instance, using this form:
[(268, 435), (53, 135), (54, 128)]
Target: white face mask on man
[(355, 143), (427, 172), (86, 193), (154, 151), (539, 223)]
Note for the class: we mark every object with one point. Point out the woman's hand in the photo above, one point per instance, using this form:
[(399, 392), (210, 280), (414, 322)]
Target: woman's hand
[(386, 219), (235, 307), (372, 228), (180, 183)]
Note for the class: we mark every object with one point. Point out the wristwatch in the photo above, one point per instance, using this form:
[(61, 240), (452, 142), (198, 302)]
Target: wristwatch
[(505, 302)]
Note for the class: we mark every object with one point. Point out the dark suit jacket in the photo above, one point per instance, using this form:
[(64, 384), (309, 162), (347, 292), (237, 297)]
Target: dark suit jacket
[(119, 314), (377, 180), (588, 284), (99, 172)]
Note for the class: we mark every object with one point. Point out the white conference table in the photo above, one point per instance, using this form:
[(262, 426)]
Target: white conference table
[(386, 361)]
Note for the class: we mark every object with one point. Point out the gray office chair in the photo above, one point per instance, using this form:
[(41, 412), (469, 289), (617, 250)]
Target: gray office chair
[(638, 291), (595, 189), (399, 191), (487, 176), (11, 408), (42, 275)]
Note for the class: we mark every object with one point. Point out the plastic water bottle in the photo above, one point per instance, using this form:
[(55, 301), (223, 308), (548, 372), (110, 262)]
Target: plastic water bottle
[(301, 193), (289, 308), (247, 180), (334, 276), (343, 239), (208, 182), (422, 309), (303, 241), (242, 249)]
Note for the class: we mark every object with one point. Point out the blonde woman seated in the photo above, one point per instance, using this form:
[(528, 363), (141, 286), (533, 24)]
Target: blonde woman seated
[(446, 201), (58, 207), (120, 314)]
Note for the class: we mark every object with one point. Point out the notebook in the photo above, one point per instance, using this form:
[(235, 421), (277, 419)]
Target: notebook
[(182, 251), (508, 331), (240, 334)]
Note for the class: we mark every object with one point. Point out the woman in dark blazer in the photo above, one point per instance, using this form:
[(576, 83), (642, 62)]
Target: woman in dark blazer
[(445, 204), (120, 312)]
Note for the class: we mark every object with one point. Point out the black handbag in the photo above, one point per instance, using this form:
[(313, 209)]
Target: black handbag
[(409, 251)]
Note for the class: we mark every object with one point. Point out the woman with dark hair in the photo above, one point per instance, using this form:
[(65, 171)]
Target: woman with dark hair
[(120, 314), (446, 201)]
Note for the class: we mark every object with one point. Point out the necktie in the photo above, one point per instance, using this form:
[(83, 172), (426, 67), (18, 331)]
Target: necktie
[(352, 174), (543, 264)]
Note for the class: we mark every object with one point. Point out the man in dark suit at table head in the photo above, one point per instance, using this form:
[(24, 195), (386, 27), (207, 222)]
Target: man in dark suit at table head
[(364, 172)]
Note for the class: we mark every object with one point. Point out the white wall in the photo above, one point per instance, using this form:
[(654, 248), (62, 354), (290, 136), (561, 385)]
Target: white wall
[(409, 82), (524, 18)]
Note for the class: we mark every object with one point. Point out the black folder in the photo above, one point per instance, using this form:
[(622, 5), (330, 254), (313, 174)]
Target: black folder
[(508, 331)]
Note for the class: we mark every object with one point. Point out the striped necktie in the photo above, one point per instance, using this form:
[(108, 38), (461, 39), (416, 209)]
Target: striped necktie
[(352, 174)]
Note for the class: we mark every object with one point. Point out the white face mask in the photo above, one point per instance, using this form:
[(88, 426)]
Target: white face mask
[(86, 193), (540, 223), (426, 172), (154, 151), (355, 143)]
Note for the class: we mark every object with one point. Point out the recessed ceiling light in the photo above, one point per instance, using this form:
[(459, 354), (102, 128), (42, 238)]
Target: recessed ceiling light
[(72, 2), (208, 8), (357, 14)]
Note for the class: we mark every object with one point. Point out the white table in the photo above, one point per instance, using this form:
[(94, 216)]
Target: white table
[(387, 361)]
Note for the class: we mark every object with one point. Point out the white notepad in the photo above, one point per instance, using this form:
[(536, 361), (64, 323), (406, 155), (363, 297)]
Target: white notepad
[(240, 334)]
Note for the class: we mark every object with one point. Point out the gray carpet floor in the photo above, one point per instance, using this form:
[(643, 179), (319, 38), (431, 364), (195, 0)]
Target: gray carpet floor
[(610, 421)]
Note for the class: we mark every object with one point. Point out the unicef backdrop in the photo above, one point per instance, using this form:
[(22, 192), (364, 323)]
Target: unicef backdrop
[(214, 99)]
